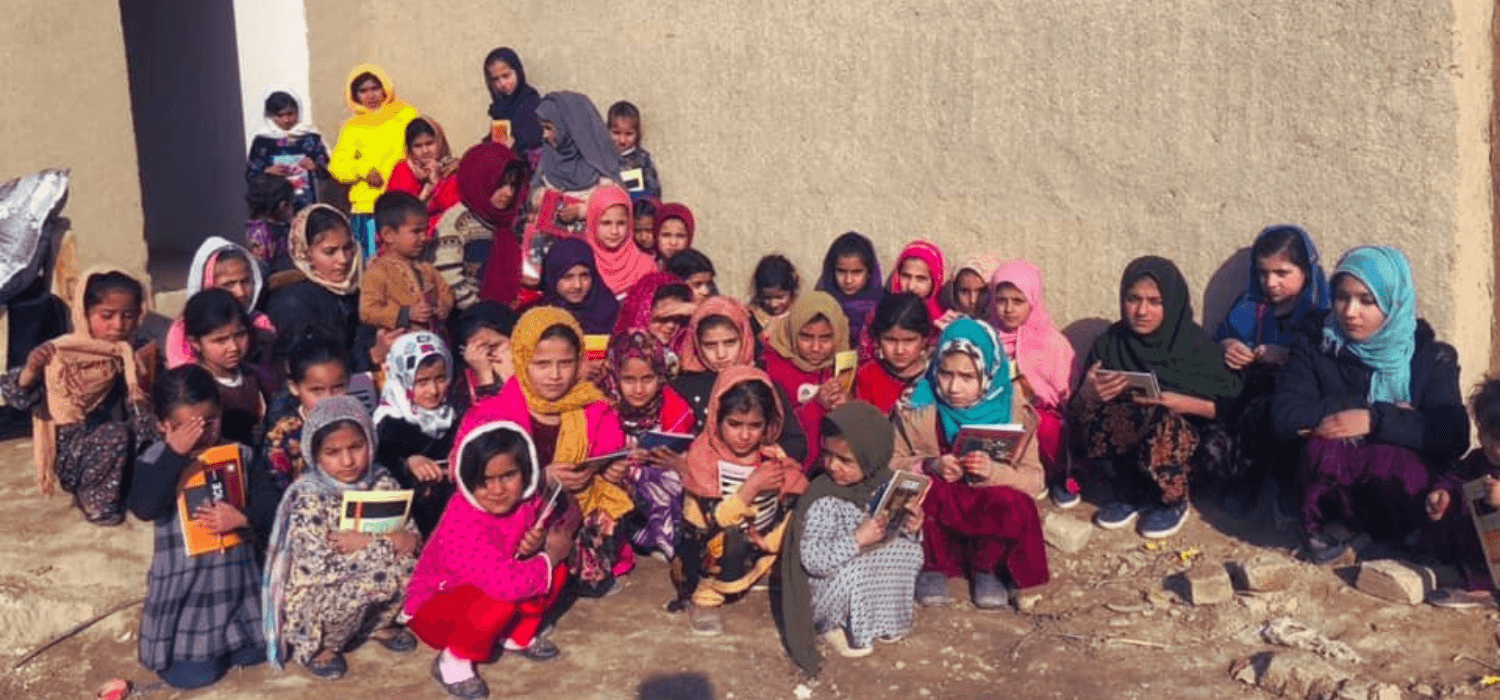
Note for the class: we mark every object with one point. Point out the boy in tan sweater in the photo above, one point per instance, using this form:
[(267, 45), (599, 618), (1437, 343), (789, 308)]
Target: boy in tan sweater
[(398, 289)]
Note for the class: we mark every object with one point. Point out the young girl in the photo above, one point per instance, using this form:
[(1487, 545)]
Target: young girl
[(625, 130), (899, 333), (513, 99), (202, 613), (288, 148), (636, 383), (696, 271), (224, 265), (571, 421), (86, 429), (217, 328), (799, 358), (969, 291), (269, 199), (321, 296), (834, 577), (579, 155), (851, 273), (476, 250), (415, 422), (1450, 534), (1155, 442), (571, 282), (1376, 397), (659, 303), (981, 516), (620, 263), (919, 270), (1286, 285), (675, 230), (737, 484), (774, 290), (645, 224), (429, 170), (1047, 363), (370, 145), (327, 589), (482, 333), (317, 368), (496, 563)]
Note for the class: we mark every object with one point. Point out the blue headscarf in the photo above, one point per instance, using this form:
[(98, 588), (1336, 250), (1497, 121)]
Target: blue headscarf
[(1386, 271), (979, 341), (1252, 320)]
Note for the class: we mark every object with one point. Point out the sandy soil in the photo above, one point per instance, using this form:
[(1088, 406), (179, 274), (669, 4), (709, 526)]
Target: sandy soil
[(56, 571)]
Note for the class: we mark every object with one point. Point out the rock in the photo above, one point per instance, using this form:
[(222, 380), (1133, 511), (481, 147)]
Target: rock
[(1298, 674), (1385, 691), (1423, 690), (1264, 573), (1208, 584), (802, 692), (1354, 690), (1066, 534), (1392, 580)]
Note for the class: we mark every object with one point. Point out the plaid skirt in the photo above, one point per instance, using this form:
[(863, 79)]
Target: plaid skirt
[(198, 608)]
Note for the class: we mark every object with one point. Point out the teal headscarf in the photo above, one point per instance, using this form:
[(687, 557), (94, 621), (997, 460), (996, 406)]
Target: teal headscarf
[(979, 341), (1386, 271)]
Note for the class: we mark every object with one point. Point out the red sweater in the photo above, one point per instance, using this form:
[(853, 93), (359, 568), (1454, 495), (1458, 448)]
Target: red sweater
[(443, 197), (874, 383), (791, 378)]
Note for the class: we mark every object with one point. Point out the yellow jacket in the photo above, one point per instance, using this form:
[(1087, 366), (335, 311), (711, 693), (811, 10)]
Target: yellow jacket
[(370, 139)]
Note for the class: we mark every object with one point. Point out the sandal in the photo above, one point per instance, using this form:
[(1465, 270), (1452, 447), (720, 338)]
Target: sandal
[(1460, 598), (330, 670), (472, 688), (539, 650), (401, 640)]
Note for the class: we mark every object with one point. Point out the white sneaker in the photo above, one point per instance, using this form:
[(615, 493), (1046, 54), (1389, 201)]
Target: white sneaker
[(840, 643)]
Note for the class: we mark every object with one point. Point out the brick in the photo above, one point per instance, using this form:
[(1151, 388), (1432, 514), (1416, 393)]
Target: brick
[(1298, 674), (1392, 580), (1066, 534), (1264, 573), (1208, 584)]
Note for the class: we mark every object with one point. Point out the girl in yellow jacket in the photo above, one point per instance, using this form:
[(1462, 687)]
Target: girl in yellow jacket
[(370, 144)]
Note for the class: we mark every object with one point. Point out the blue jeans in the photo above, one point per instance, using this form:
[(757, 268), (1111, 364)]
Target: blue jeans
[(186, 675), (363, 230)]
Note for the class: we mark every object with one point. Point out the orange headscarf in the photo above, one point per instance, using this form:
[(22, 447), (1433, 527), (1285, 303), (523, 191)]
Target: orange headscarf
[(692, 360), (701, 478)]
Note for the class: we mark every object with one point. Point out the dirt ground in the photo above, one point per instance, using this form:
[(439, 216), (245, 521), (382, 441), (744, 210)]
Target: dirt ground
[(1115, 625)]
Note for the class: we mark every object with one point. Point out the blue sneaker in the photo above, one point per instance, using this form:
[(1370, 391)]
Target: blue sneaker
[(1062, 497), (1161, 522), (1116, 515)]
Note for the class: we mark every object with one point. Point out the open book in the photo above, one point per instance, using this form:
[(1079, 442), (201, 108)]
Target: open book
[(676, 442), (892, 498), (374, 512), (844, 365), (217, 476), (1141, 383), (1486, 523), (1003, 443)]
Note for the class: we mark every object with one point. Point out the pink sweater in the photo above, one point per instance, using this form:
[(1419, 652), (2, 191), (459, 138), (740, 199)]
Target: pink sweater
[(476, 548)]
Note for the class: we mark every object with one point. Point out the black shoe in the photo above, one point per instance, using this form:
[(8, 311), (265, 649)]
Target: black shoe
[(330, 670), (540, 650), (400, 642), (473, 688), (1321, 548)]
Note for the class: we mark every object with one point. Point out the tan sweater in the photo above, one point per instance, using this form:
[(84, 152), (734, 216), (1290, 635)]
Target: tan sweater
[(917, 441), (392, 285)]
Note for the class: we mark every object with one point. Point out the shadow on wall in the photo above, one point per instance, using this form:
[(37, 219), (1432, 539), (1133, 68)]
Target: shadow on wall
[(1224, 287), (682, 686)]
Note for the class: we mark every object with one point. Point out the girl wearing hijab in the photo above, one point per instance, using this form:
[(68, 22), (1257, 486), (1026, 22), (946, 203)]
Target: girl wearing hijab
[(579, 154), (851, 273), (477, 251), (428, 171), (1376, 396), (919, 269), (1044, 359), (570, 421), (513, 99), (225, 265), (1286, 286), (324, 588), (321, 295), (370, 145), (968, 293), (1156, 443), (415, 422), (834, 579), (648, 307), (496, 563), (899, 331), (637, 369), (288, 148), (621, 264), (970, 382), (482, 334), (738, 484), (675, 230), (799, 358), (570, 281)]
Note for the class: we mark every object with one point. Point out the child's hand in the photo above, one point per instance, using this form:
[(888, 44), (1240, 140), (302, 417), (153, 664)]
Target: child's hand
[(870, 531), (667, 458), (374, 179), (531, 542), (1437, 504), (914, 515), (477, 357), (1272, 354), (1492, 495), (182, 437), (1102, 385), (948, 468), (349, 542), (593, 370), (36, 362), (616, 471), (570, 213), (831, 394), (424, 469), (559, 544), (569, 476), (279, 170), (384, 339), (762, 480), (420, 312), (220, 518), (403, 542), (1237, 355), (307, 164), (1343, 425), (978, 465)]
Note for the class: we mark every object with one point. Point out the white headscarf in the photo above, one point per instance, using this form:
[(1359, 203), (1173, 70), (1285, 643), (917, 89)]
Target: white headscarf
[(406, 355), (199, 273), (300, 129)]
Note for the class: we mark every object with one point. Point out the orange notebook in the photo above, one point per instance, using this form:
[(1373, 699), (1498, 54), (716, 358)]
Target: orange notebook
[(217, 476)]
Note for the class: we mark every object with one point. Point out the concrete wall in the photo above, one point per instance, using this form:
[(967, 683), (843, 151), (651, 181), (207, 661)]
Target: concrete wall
[(1078, 133), (272, 40), (68, 105)]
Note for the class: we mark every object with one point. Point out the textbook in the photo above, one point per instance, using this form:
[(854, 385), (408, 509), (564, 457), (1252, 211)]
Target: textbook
[(1003, 443), (551, 497), (892, 498), (1141, 383), (602, 461), (844, 365), (731, 477), (595, 346), (633, 179), (500, 131), (374, 512), (676, 442), (1486, 523), (216, 476)]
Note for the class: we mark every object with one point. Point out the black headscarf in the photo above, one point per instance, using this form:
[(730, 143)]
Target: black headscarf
[(1180, 353), (872, 438), (599, 309), (519, 106)]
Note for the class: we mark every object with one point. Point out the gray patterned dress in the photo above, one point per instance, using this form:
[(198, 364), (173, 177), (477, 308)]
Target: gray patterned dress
[(870, 593)]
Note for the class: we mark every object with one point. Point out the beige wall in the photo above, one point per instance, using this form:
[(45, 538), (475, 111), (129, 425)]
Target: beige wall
[(1078, 133), (67, 101)]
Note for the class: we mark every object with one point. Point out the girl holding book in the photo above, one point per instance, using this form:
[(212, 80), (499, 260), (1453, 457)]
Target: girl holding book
[(316, 369), (326, 588), (801, 356), (981, 513), (900, 332), (579, 155), (288, 148), (416, 421), (512, 99)]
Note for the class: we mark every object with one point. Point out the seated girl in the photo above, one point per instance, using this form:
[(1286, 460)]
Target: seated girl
[(475, 248), (202, 613), (1450, 534), (636, 383), (416, 421), (316, 368), (981, 516), (919, 270), (218, 331), (269, 199), (620, 263), (482, 334), (774, 287), (1156, 443), (644, 227), (496, 563), (1286, 286), (224, 265), (696, 271), (839, 575), (370, 144), (578, 155), (571, 282), (1047, 365), (899, 332), (86, 432), (675, 230), (1376, 396), (799, 358), (328, 589), (659, 303), (968, 293), (321, 296), (851, 273), (429, 171), (738, 485), (570, 421)]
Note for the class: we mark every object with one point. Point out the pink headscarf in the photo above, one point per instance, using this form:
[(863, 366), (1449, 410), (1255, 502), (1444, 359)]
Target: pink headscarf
[(1045, 357), (624, 266), (928, 252)]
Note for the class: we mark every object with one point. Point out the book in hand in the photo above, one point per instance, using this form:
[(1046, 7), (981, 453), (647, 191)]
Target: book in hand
[(676, 442), (1486, 523), (602, 461), (844, 365), (731, 477), (216, 476), (1003, 443), (500, 131), (891, 500), (374, 512), (634, 180), (1141, 384), (595, 347), (551, 499)]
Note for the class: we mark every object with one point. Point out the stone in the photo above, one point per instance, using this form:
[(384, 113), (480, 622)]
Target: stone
[(1423, 690), (1299, 674), (1208, 584), (1385, 691), (1392, 580), (1264, 573), (1066, 534)]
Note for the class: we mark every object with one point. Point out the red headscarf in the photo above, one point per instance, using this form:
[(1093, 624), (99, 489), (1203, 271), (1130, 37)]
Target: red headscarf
[(928, 252), (679, 211), (624, 266), (479, 174), (635, 311)]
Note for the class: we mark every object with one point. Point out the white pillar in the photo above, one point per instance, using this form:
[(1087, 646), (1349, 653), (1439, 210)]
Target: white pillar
[(272, 39)]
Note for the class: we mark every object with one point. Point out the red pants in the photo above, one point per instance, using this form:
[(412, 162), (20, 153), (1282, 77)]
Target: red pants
[(467, 622), (981, 529), (1052, 443)]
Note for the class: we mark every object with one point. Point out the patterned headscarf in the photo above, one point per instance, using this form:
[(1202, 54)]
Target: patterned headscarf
[(640, 345), (1388, 351), (406, 355), (978, 341), (301, 252)]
